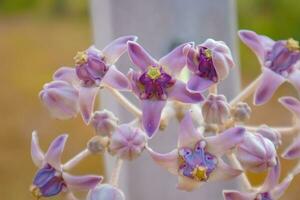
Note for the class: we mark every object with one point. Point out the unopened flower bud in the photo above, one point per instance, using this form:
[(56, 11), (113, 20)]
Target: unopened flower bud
[(104, 122), (241, 112), (105, 192), (97, 144), (256, 153), (272, 134), (215, 109), (61, 99), (127, 142)]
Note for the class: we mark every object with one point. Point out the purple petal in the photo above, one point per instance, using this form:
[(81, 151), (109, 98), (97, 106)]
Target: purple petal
[(292, 104), (224, 172), (218, 145), (279, 190), (294, 79), (198, 84), (236, 195), (169, 161), (55, 150), (269, 82), (67, 74), (188, 135), (187, 184), (87, 96), (151, 110), (257, 43), (133, 77), (179, 92), (272, 178), (116, 48), (192, 60), (116, 79), (293, 151), (82, 182), (37, 154), (176, 59), (140, 57)]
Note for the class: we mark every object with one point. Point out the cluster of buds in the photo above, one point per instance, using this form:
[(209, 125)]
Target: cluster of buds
[(230, 150)]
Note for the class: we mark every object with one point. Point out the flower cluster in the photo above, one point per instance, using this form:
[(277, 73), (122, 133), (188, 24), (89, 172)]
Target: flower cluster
[(214, 141)]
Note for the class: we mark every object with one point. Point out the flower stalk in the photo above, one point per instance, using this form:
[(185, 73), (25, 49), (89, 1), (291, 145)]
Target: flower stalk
[(76, 159), (116, 172)]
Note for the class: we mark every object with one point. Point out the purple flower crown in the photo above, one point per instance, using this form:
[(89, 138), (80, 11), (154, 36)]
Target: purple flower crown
[(211, 128)]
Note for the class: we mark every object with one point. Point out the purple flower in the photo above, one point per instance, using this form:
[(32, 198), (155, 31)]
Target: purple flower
[(104, 122), (50, 179), (270, 190), (279, 61), (156, 82), (209, 63), (197, 158), (95, 68)]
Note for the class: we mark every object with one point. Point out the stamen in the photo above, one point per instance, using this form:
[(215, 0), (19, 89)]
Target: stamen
[(292, 45), (199, 173), (81, 58), (35, 191), (153, 72), (208, 53)]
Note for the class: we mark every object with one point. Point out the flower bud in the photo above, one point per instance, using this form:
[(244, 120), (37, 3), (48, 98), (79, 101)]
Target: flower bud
[(127, 142), (61, 99), (272, 134), (97, 144), (104, 122), (241, 112), (256, 153), (105, 192), (215, 109)]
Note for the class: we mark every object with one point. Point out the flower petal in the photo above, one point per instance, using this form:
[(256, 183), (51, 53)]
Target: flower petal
[(272, 178), (151, 110), (169, 161), (224, 172), (37, 154), (67, 74), (192, 62), (187, 184), (116, 79), (87, 96), (180, 93), (219, 144), (116, 48), (294, 79), (105, 192), (176, 59), (293, 151), (55, 150), (82, 182), (236, 195), (279, 190), (198, 84), (292, 104), (269, 82), (188, 135), (140, 57)]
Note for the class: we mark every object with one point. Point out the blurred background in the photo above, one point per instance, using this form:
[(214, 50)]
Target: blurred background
[(37, 37)]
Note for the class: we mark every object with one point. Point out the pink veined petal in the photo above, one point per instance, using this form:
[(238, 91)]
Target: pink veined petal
[(294, 79), (236, 195), (67, 74), (86, 182), (116, 48), (198, 84), (192, 62), (222, 63), (37, 154), (87, 96), (279, 190), (219, 144), (179, 92), (224, 172), (272, 178), (269, 82), (188, 135), (292, 104), (151, 110), (116, 79), (293, 151), (55, 150), (140, 57), (259, 44), (133, 77), (187, 184), (169, 161), (176, 59)]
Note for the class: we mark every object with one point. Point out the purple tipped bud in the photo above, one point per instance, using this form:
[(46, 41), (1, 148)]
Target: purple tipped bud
[(105, 192), (272, 134), (241, 112), (97, 144), (61, 99), (256, 153), (215, 109), (104, 122), (127, 142)]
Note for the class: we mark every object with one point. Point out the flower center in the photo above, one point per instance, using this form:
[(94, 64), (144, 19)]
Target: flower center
[(208, 53), (153, 73), (206, 67), (292, 45), (196, 163), (35, 191), (81, 58)]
